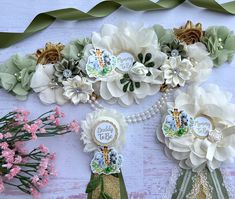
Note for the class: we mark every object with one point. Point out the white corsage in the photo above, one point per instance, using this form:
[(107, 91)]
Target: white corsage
[(103, 127), (209, 140)]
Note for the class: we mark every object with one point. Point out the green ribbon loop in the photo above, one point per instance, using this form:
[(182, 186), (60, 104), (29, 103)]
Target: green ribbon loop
[(228, 8), (103, 9)]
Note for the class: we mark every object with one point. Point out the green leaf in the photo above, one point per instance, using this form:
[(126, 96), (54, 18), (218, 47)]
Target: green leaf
[(140, 57), (150, 64), (132, 87), (148, 56), (125, 87), (137, 84), (94, 183), (123, 80), (104, 195)]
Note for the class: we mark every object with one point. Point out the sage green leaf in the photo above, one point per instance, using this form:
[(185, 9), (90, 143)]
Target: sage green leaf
[(230, 43), (8, 81), (164, 35), (94, 183), (19, 90), (75, 49), (16, 74), (220, 42)]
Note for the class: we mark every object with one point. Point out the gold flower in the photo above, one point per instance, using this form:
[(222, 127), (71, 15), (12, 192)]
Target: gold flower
[(50, 54), (189, 33)]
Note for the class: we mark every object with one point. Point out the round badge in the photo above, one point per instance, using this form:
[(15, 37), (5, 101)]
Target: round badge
[(125, 61), (105, 133), (202, 126)]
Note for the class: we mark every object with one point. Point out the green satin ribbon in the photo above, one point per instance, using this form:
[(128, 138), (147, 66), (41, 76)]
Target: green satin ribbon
[(103, 9)]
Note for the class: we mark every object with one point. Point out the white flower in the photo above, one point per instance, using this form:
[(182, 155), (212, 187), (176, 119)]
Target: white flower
[(197, 152), (138, 72), (176, 71), (202, 63), (92, 119), (130, 39), (42, 83), (77, 89)]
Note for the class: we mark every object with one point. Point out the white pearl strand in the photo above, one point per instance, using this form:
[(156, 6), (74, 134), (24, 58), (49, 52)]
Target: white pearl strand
[(139, 117)]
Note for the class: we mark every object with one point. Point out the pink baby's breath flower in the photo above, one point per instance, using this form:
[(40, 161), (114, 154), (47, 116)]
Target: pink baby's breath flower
[(43, 149), (52, 156), (34, 193), (2, 188), (35, 179), (22, 115), (52, 171), (38, 122), (58, 112), (42, 130), (1, 136), (18, 159), (74, 126), (3, 145), (8, 165), (52, 117), (57, 122), (13, 172), (8, 135)]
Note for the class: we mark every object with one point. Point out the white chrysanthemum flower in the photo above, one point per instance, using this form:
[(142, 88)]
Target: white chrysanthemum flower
[(90, 122), (202, 63), (218, 146), (77, 89), (133, 40), (42, 82), (177, 71)]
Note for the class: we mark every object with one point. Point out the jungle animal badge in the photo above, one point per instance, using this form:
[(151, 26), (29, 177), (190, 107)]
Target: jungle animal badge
[(101, 63), (106, 161), (177, 123)]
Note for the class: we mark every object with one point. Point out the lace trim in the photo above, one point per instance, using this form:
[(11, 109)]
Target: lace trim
[(228, 182)]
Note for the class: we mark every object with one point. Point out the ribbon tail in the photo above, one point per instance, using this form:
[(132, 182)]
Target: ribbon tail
[(106, 187), (200, 185)]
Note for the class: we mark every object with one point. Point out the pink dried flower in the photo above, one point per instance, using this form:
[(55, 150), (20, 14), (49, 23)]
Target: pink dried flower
[(74, 126), (34, 193), (38, 122), (2, 188), (18, 160), (1, 136), (52, 156), (58, 112), (43, 149), (13, 172), (35, 179), (22, 115), (8, 135), (3, 145), (42, 130)]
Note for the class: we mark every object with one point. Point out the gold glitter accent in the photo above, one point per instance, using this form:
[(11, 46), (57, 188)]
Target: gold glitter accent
[(164, 87), (50, 54), (189, 33), (201, 189), (111, 187)]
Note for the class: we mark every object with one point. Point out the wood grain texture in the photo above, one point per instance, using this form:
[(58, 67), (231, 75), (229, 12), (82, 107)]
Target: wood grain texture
[(147, 171)]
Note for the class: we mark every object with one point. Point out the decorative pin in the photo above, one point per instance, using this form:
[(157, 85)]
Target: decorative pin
[(106, 161), (125, 61), (105, 132), (101, 63), (177, 123), (202, 126)]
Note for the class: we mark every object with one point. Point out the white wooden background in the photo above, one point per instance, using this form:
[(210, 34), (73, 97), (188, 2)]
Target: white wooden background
[(146, 170)]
